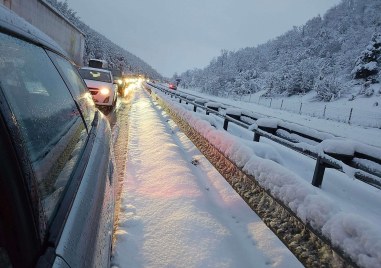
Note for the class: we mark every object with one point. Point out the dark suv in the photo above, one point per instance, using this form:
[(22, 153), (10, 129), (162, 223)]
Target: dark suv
[(56, 179)]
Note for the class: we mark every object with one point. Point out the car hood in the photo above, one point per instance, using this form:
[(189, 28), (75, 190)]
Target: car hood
[(98, 84)]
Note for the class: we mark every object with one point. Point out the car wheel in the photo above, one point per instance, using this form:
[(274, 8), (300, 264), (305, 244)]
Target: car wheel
[(109, 108)]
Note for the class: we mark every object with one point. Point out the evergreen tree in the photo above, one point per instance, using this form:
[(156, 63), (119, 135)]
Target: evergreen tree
[(368, 63)]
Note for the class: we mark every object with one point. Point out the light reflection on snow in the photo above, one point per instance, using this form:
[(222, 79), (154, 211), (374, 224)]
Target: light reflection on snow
[(176, 214)]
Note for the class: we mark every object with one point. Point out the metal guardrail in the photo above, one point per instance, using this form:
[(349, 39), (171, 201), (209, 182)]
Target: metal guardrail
[(307, 243), (323, 160)]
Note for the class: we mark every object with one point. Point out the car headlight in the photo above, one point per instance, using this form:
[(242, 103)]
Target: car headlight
[(105, 91)]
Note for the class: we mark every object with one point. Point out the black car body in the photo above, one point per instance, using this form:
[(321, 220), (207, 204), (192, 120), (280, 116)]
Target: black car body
[(57, 173)]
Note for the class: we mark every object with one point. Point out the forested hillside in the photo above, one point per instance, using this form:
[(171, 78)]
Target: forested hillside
[(98, 46), (337, 55)]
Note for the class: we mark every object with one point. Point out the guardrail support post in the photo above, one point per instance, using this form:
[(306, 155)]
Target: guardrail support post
[(226, 122), (212, 108), (317, 179), (194, 108), (179, 100), (256, 137)]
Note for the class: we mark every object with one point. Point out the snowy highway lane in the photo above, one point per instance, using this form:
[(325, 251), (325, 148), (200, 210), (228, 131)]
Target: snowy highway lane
[(178, 211)]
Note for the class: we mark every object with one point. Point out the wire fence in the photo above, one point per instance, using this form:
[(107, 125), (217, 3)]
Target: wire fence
[(340, 112)]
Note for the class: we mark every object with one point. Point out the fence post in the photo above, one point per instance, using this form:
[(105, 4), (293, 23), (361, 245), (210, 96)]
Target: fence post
[(250, 97), (271, 100), (179, 100), (300, 109), (350, 116), (325, 108), (281, 105), (194, 108)]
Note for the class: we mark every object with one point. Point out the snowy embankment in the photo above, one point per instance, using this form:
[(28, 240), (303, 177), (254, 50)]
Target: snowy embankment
[(347, 213), (178, 211), (366, 117)]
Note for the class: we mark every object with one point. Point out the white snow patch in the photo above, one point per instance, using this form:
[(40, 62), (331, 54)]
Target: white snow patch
[(268, 122), (338, 146)]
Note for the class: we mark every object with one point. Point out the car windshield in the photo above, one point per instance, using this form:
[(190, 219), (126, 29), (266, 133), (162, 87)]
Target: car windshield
[(95, 75)]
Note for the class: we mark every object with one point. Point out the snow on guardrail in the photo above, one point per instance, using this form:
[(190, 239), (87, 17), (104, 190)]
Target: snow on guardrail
[(357, 237)]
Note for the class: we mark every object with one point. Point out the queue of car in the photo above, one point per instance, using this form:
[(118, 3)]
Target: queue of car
[(57, 182)]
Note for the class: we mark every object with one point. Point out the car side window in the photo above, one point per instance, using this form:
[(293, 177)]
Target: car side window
[(50, 124), (77, 86), (4, 258)]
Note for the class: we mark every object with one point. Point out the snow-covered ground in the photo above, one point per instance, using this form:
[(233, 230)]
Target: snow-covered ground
[(366, 117), (178, 211), (346, 211)]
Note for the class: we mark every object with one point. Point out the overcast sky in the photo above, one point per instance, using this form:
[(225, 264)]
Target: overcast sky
[(177, 35)]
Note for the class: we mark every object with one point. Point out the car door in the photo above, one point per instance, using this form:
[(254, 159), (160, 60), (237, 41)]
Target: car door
[(57, 184), (95, 197)]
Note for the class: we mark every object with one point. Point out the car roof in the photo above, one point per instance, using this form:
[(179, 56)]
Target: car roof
[(12, 23), (95, 69)]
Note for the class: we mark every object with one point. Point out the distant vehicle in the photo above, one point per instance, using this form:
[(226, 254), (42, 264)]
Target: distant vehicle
[(57, 183), (96, 63), (101, 85), (118, 79), (172, 85)]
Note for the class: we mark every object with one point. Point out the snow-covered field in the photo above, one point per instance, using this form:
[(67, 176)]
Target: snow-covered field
[(366, 117), (346, 211), (178, 211)]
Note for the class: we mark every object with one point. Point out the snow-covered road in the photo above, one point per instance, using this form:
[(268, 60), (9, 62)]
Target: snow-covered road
[(178, 211)]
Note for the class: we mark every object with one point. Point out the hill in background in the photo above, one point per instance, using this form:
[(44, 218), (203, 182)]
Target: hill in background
[(100, 47), (337, 55)]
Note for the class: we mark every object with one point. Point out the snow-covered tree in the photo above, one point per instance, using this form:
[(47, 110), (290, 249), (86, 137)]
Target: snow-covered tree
[(305, 58), (368, 63), (98, 46), (328, 88)]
